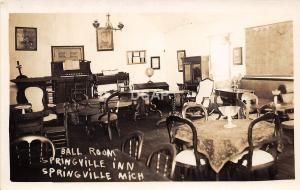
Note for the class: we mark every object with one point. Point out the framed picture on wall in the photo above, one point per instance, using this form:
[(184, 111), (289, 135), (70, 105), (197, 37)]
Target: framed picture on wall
[(237, 56), (155, 62), (105, 39), (136, 57), (62, 53), (25, 39), (180, 55)]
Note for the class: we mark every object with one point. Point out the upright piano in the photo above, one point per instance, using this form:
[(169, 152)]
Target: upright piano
[(67, 83)]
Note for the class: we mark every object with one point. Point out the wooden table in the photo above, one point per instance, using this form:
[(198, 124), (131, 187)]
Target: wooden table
[(222, 144), (90, 166), (230, 95), (140, 96)]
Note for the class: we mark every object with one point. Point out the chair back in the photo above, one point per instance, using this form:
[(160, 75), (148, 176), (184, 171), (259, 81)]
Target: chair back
[(205, 90), (162, 160), (133, 144), (251, 101), (270, 145), (112, 103), (171, 120), (32, 149), (203, 110), (58, 134), (35, 96)]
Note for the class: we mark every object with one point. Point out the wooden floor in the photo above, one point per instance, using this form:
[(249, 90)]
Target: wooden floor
[(153, 137)]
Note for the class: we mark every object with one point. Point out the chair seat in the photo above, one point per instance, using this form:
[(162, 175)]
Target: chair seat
[(54, 129), (104, 118), (187, 157), (259, 157), (50, 117)]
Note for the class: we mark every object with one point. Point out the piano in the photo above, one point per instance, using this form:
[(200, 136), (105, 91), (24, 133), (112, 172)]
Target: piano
[(65, 83), (69, 83)]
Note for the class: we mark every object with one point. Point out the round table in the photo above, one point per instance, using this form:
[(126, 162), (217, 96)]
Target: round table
[(23, 107), (140, 96), (172, 94)]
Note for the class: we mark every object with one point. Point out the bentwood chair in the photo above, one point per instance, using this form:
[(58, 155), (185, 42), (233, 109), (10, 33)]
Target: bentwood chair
[(28, 155), (32, 149), (132, 144), (162, 160), (258, 157), (110, 116), (190, 160)]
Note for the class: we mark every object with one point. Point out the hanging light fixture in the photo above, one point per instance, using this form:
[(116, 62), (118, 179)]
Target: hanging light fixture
[(108, 25)]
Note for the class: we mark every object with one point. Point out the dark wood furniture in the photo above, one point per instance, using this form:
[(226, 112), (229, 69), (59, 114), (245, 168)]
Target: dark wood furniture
[(151, 85), (262, 155), (67, 84), (110, 116), (101, 79), (23, 83), (162, 160), (230, 95), (132, 144), (195, 69), (189, 158), (224, 144)]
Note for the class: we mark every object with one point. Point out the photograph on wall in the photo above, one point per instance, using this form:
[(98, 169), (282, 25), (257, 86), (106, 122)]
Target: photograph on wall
[(26, 39), (105, 39), (155, 62), (237, 56), (62, 53), (136, 57)]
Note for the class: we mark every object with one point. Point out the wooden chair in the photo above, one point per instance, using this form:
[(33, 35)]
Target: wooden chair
[(188, 159), (251, 102), (162, 160), (202, 99), (32, 149), (59, 134), (27, 124), (132, 144), (110, 115), (35, 97), (263, 156), (28, 155)]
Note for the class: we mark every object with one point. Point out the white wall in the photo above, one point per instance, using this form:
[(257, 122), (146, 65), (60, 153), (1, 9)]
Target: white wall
[(195, 38), (138, 34), (77, 29)]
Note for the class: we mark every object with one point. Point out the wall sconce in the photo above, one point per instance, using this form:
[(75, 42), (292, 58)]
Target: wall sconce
[(108, 25)]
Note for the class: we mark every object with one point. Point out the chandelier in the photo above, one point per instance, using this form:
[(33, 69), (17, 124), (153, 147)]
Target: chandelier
[(108, 25)]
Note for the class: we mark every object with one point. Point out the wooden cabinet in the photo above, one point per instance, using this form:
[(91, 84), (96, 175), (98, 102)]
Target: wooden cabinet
[(195, 69)]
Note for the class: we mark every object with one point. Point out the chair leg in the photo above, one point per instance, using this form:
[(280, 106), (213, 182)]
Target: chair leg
[(109, 131), (117, 128), (160, 121)]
